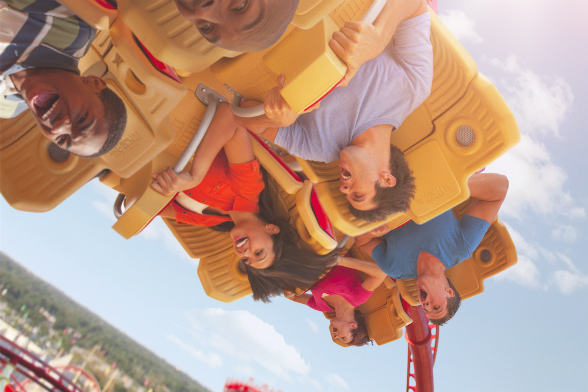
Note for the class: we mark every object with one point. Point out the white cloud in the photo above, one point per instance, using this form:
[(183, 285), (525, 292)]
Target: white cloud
[(249, 340), (312, 325), (568, 262), (336, 381), (568, 281), (105, 209), (524, 272), (461, 26), (212, 360), (564, 233), (540, 268), (539, 103), (536, 183)]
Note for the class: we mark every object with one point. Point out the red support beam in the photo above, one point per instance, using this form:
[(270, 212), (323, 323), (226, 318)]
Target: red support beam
[(418, 335)]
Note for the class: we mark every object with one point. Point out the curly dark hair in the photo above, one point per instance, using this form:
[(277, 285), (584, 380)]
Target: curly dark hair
[(115, 114), (360, 336), (393, 199), (452, 307), (292, 267)]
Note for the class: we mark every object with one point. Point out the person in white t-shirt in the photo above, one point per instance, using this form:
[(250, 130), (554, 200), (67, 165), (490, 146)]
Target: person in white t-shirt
[(353, 124)]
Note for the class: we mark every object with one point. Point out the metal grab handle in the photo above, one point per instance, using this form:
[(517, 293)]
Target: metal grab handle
[(245, 112), (369, 17), (212, 101), (118, 203), (372, 13), (342, 243)]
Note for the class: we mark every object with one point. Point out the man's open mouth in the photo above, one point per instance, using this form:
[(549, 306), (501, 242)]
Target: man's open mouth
[(422, 294), (344, 173), (45, 104)]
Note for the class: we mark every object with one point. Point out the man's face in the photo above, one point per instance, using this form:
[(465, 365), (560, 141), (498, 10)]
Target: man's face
[(227, 23), (358, 174), (68, 110), (433, 296)]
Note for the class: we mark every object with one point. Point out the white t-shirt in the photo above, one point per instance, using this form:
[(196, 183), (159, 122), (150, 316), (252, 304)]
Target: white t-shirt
[(385, 90)]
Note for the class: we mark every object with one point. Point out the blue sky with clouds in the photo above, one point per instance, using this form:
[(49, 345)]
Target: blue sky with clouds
[(525, 332)]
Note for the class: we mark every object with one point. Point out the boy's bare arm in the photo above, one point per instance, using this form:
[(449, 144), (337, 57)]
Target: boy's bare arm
[(490, 190), (368, 266), (357, 42), (363, 239), (301, 299), (376, 275)]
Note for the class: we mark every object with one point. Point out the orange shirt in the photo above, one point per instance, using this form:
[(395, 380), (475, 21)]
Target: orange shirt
[(227, 187)]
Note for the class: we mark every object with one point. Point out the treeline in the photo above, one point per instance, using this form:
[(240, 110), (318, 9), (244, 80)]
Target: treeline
[(21, 289)]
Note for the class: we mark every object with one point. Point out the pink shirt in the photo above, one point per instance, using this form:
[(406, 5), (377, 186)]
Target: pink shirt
[(342, 281)]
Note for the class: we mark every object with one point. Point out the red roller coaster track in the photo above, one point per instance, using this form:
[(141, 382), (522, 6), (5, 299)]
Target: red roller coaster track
[(34, 369)]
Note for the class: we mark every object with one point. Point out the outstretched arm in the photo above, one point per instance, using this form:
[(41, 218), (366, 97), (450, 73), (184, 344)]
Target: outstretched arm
[(357, 42), (490, 190), (368, 241), (375, 275), (223, 132), (301, 299)]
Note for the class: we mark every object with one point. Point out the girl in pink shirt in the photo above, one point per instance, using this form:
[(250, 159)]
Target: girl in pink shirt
[(342, 290)]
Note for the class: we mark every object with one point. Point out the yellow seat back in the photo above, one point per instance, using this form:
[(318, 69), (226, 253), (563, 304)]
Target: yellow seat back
[(460, 128), (36, 174)]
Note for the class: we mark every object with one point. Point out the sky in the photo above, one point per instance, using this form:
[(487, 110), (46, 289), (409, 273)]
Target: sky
[(525, 332)]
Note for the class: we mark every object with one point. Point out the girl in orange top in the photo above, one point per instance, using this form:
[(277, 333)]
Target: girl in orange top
[(226, 190)]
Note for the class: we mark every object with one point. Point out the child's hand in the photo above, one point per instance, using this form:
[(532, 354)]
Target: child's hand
[(276, 108), (168, 182), (356, 43), (380, 231)]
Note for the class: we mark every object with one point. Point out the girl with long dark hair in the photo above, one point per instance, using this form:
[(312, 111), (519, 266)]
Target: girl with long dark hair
[(226, 190)]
